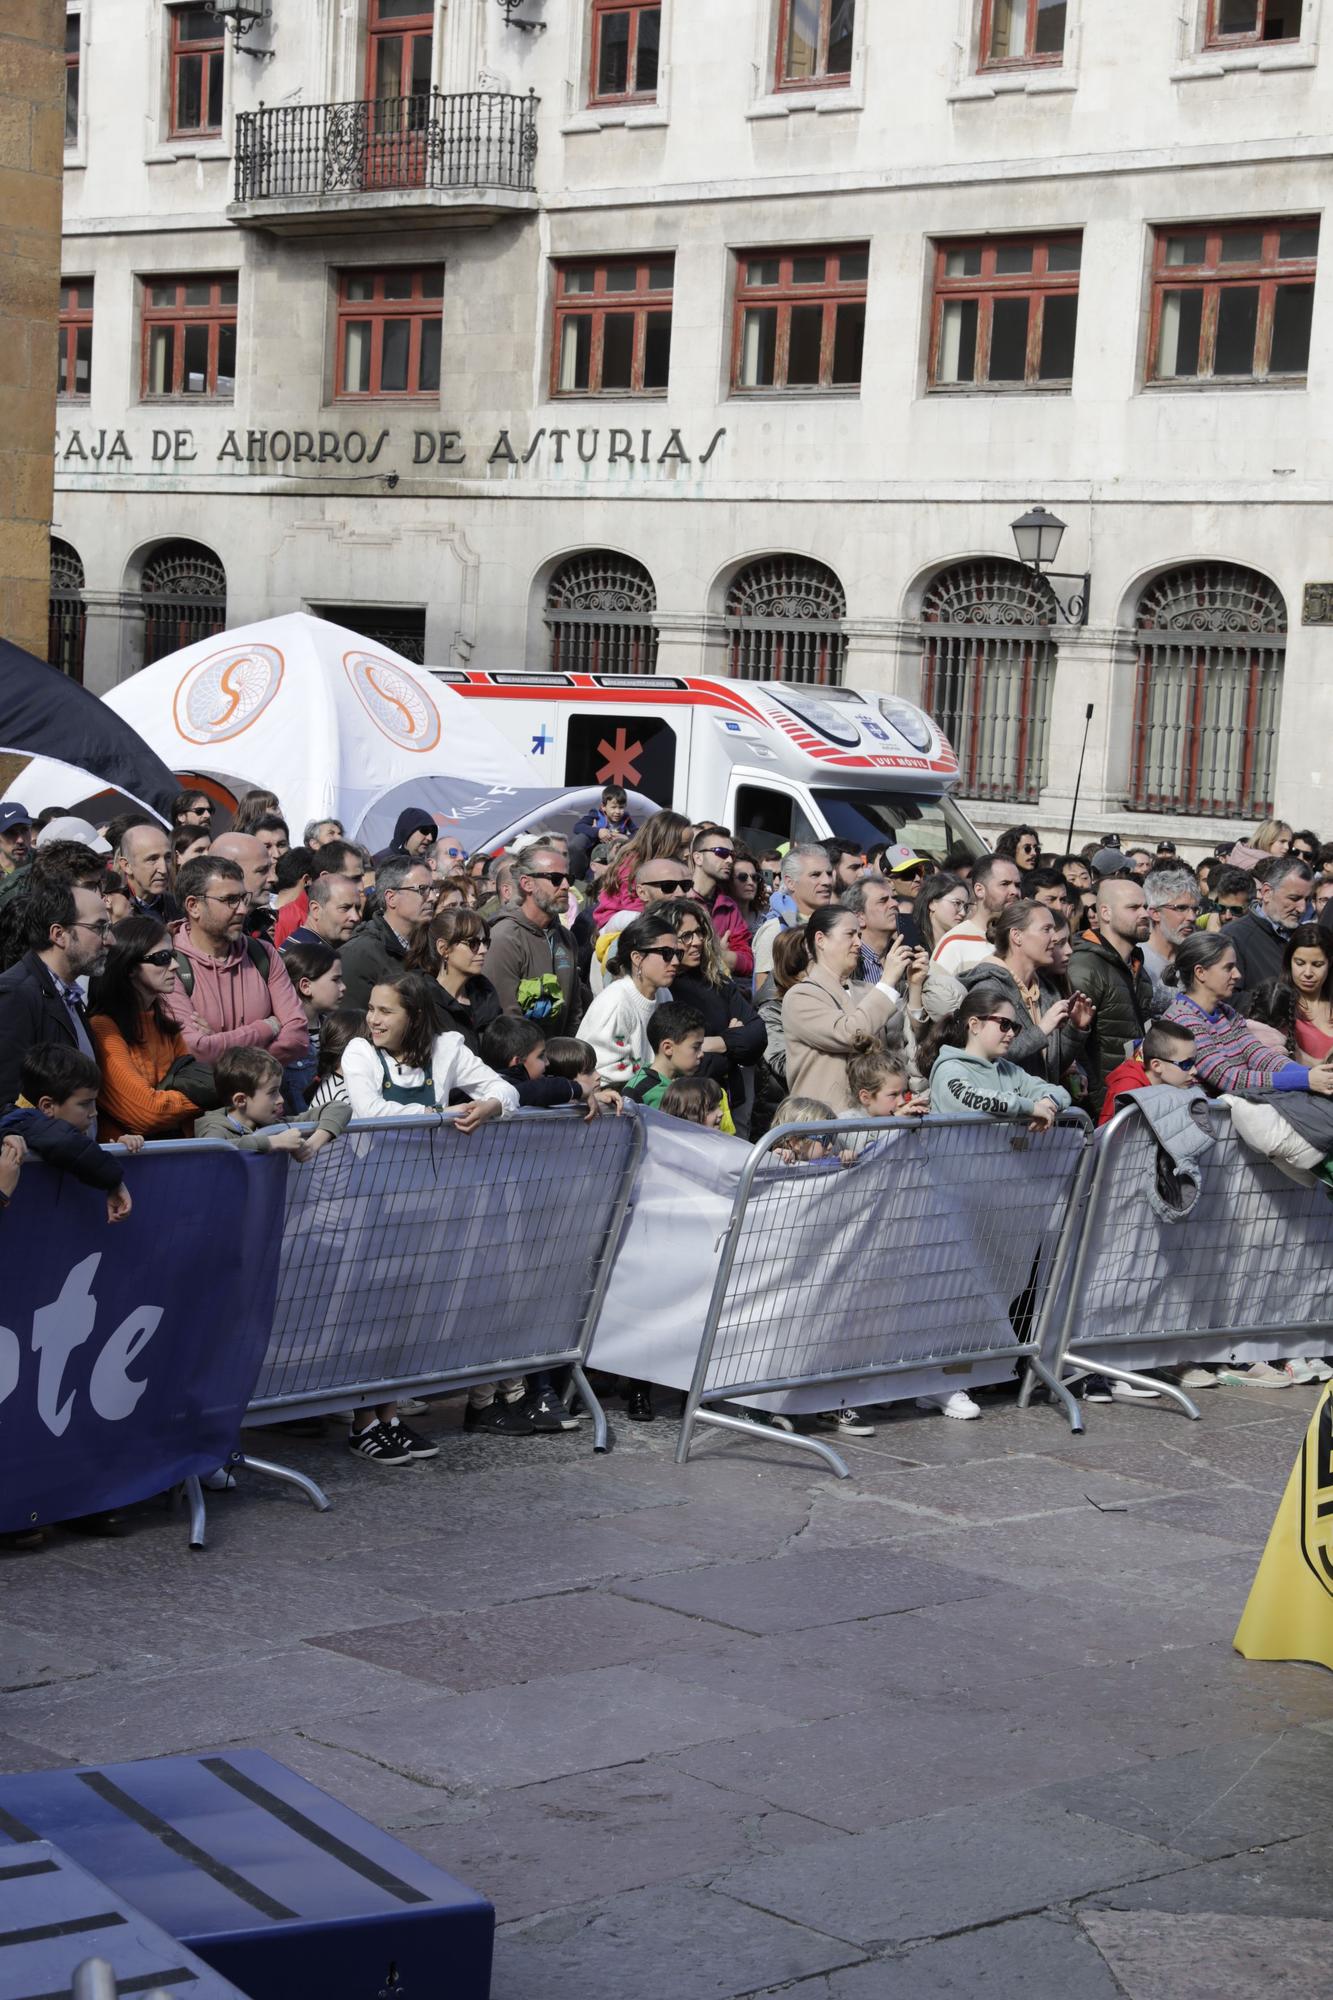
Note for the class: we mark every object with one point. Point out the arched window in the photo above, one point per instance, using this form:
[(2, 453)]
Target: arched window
[(1212, 638), (987, 670), (67, 616), (184, 595), (600, 610), (785, 622)]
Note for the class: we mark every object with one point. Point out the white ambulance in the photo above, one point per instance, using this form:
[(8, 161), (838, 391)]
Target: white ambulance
[(773, 761)]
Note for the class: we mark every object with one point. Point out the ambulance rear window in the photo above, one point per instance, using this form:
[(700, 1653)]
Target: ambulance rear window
[(637, 751), (931, 826)]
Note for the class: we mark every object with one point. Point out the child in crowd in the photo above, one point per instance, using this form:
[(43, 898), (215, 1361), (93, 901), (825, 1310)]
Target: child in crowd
[(567, 1056), (676, 1038), (337, 1029), (515, 1049), (12, 1154), (970, 1072), (802, 1111), (55, 1116), (1166, 1055), (253, 1117), (610, 822), (696, 1099), (880, 1085)]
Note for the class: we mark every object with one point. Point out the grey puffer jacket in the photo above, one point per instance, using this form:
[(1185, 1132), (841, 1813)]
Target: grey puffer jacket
[(1041, 1055)]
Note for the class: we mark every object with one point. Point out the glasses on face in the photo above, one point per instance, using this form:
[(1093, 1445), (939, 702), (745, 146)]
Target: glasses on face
[(670, 952), (427, 891), (1187, 1067), (558, 878), (1232, 909), (233, 902), (101, 929), (671, 882), (1181, 909), (1003, 1022), (722, 853), (690, 937), (744, 879), (161, 959)]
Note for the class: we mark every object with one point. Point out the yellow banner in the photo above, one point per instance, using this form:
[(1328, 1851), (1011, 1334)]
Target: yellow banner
[(1289, 1615)]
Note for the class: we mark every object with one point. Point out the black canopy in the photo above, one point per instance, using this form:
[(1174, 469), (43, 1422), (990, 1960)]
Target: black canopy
[(45, 714)]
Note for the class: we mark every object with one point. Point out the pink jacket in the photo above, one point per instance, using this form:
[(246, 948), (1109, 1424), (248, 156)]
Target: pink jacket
[(611, 902), (734, 932), (232, 995)]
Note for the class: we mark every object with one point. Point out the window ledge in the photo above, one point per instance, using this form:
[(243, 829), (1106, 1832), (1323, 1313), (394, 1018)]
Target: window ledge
[(1214, 63), (1013, 83), (959, 391), (789, 103), (183, 149), (632, 117), (740, 396), (1213, 386)]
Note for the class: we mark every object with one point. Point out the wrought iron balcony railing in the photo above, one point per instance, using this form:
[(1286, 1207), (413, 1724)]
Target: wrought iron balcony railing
[(432, 142)]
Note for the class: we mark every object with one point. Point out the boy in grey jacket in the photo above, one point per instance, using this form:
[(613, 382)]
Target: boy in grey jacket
[(252, 1116)]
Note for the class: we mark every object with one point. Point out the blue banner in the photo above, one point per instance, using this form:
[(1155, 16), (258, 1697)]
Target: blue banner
[(128, 1350)]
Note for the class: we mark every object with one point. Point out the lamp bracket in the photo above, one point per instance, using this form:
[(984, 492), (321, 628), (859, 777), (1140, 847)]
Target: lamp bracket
[(525, 27), (1072, 605)]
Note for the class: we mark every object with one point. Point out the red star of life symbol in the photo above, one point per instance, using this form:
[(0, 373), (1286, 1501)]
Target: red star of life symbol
[(622, 761)]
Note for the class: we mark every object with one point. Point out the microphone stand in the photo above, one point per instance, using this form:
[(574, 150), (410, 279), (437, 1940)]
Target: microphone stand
[(1078, 782)]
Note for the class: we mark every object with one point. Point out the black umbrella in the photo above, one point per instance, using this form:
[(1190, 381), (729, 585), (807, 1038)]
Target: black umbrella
[(45, 714)]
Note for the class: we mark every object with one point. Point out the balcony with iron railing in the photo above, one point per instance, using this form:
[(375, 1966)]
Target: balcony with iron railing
[(468, 156)]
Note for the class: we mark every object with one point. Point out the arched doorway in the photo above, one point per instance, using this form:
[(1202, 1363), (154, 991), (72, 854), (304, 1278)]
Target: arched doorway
[(785, 622), (987, 671), (1212, 641), (600, 611), (184, 596), (67, 615)]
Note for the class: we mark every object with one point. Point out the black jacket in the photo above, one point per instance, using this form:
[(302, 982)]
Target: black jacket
[(471, 1015), (52, 1140), (1260, 949), (745, 1045), (1122, 995), (371, 955), (31, 1010)]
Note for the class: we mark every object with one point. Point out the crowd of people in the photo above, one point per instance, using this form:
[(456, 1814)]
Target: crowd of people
[(157, 983)]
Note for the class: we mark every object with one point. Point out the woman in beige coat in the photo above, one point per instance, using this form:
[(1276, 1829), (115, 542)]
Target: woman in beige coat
[(823, 1020)]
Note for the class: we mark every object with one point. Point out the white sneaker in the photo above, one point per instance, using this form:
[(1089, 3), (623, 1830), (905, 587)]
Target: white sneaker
[(1130, 1392), (1259, 1375), (958, 1405), (1323, 1373), (1301, 1370), (1198, 1378)]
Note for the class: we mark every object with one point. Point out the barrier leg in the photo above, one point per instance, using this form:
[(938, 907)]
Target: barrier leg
[(1037, 1371), (1167, 1389), (316, 1495), (583, 1389), (795, 1439), (194, 1494)]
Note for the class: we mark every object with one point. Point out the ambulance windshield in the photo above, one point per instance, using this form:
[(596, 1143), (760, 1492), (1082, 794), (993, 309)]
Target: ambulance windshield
[(932, 826)]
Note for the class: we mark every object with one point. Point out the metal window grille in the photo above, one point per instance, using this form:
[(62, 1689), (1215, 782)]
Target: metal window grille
[(67, 615), (987, 671), (184, 598), (403, 632), (1208, 694), (600, 611), (785, 619), (475, 138)]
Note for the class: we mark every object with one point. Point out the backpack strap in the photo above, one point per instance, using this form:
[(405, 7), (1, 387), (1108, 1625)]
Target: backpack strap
[(254, 951)]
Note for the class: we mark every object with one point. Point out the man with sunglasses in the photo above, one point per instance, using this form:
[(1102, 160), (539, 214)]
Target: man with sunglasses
[(65, 934), (533, 962), (654, 882), (713, 857), (406, 894), (232, 991)]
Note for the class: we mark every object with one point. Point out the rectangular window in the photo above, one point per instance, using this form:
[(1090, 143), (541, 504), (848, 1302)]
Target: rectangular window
[(1020, 33), (626, 48), (800, 319), (75, 372), (1005, 312), (1240, 24), (815, 43), (389, 332), (189, 336), (1233, 301), (71, 79), (198, 45), (613, 327)]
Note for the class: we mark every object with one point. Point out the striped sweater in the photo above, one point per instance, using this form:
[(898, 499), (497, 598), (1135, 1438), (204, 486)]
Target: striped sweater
[(1230, 1055)]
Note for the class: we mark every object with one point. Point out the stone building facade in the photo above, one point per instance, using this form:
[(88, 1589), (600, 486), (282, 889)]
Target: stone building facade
[(663, 335)]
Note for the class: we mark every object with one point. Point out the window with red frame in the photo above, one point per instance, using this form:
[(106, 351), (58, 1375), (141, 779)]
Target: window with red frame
[(613, 327), (815, 42), (800, 318), (626, 46), (399, 38), (1022, 33), (1233, 301), (74, 377), (1238, 24), (197, 52), (189, 336), (71, 79), (1005, 313), (389, 330)]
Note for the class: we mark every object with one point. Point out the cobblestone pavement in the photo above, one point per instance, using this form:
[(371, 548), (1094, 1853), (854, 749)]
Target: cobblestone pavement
[(966, 1724)]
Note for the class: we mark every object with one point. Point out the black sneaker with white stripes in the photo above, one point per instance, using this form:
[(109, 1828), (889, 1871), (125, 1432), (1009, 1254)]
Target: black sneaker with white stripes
[(404, 1436), (378, 1444)]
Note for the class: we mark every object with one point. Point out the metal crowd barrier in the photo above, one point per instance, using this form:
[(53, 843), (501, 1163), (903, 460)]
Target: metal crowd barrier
[(1243, 1277), (920, 1249), (415, 1257)]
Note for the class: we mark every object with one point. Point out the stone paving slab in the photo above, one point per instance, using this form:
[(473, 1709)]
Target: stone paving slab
[(821, 1588), (1025, 1958), (1200, 1958)]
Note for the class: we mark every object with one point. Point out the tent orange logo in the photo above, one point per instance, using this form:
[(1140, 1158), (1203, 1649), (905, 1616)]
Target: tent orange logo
[(399, 706), (219, 697)]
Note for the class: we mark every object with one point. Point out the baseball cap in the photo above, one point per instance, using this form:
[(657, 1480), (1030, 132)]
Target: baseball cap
[(897, 860), (71, 828), (12, 814), (1109, 861)]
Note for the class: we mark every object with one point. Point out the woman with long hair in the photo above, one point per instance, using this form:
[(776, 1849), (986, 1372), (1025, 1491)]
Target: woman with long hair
[(734, 1036), (451, 951), (664, 837), (942, 901), (972, 1070), (135, 1039), (1229, 1056), (749, 891), (254, 807), (315, 970), (642, 965), (1054, 1034), (1273, 838), (823, 1021), (1299, 1003)]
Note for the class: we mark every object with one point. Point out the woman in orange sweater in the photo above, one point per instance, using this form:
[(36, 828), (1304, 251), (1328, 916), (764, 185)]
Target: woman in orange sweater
[(135, 1038)]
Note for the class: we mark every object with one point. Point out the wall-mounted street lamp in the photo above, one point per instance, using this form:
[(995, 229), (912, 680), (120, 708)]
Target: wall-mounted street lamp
[(1037, 537), (527, 27), (242, 15)]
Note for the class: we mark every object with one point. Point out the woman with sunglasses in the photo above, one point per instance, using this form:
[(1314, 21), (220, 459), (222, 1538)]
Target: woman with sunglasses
[(664, 837), (452, 952), (134, 1037), (972, 1072), (643, 963), (749, 890), (735, 1036)]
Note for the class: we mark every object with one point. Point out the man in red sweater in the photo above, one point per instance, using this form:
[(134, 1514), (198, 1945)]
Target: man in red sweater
[(1166, 1055)]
